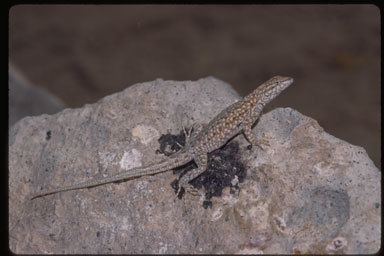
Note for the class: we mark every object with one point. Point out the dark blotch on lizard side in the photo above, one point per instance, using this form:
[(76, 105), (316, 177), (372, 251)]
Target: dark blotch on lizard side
[(223, 165)]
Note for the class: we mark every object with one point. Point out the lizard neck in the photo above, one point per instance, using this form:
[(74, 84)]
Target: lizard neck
[(255, 101), (266, 92)]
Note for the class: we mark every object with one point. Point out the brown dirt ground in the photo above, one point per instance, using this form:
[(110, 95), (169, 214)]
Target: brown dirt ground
[(84, 52)]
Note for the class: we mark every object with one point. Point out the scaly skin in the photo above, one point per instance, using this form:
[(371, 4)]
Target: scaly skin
[(239, 117)]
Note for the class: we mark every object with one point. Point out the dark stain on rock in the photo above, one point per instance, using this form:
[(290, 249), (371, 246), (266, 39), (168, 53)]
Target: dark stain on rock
[(223, 165), (326, 208)]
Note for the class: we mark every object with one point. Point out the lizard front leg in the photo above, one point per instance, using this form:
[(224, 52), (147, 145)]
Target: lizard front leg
[(202, 162), (247, 130)]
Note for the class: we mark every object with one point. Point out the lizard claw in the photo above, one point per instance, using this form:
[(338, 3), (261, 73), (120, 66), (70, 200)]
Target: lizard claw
[(262, 144), (185, 187), (192, 190), (191, 132), (259, 144)]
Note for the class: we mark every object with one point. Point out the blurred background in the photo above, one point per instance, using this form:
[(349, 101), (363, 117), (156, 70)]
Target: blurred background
[(69, 55)]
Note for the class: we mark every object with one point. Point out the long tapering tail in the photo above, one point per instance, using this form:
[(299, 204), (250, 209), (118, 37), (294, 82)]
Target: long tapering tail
[(162, 166)]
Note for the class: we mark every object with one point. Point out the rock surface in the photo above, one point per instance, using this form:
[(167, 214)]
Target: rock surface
[(307, 192)]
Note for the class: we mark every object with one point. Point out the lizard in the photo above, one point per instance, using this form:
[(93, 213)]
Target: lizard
[(238, 117)]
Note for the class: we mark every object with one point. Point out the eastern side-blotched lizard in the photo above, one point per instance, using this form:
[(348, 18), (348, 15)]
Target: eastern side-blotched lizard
[(238, 117)]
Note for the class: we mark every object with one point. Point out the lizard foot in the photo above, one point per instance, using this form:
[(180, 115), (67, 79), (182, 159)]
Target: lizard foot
[(185, 187), (193, 131), (262, 144), (192, 190)]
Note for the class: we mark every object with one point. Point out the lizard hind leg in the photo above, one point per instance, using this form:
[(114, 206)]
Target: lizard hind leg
[(202, 162), (193, 131)]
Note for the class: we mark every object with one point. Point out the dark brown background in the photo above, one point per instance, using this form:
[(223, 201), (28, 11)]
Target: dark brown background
[(81, 53)]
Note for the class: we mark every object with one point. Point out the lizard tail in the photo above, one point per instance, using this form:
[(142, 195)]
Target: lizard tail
[(162, 166)]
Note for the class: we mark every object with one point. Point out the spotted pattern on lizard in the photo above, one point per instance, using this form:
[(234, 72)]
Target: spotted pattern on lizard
[(237, 118)]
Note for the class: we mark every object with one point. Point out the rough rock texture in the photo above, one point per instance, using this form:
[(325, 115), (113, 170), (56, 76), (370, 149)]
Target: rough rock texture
[(308, 192)]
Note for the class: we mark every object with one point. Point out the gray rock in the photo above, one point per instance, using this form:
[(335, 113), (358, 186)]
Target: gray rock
[(307, 192)]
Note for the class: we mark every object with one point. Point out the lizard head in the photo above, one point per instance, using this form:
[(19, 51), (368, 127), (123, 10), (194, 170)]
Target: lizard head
[(268, 91), (272, 88)]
